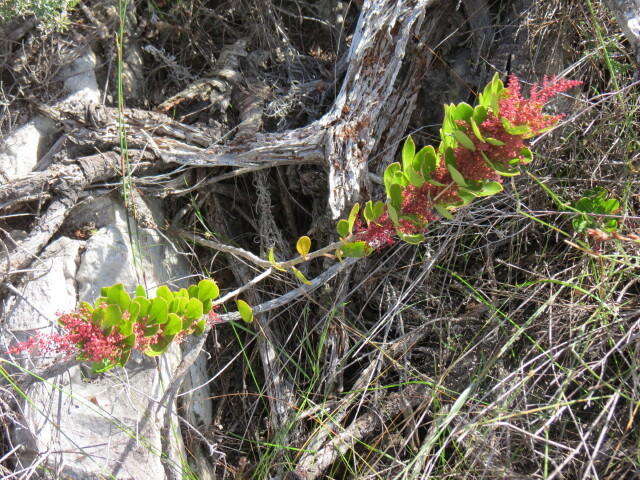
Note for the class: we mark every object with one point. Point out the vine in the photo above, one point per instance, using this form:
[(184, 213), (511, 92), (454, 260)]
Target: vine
[(479, 147)]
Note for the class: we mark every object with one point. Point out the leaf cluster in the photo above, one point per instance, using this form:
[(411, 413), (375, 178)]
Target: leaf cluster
[(163, 317), (418, 168), (596, 201)]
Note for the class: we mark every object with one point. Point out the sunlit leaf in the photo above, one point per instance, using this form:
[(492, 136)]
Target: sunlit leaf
[(464, 140), (356, 249), (245, 311), (173, 325), (158, 310), (303, 245), (141, 291), (194, 309), (300, 276), (408, 152), (353, 215), (207, 290), (343, 228)]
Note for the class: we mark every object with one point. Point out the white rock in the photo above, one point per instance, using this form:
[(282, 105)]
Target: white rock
[(98, 426), (20, 151)]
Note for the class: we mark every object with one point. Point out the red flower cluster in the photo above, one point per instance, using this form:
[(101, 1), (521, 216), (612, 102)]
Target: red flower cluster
[(82, 337), (87, 340), (528, 111), (506, 151)]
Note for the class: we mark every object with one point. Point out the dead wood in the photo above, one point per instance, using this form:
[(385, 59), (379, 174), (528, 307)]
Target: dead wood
[(217, 88), (385, 414), (60, 178)]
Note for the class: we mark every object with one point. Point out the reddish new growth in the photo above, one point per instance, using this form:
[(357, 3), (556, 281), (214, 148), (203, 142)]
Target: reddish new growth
[(418, 202), (528, 111), (87, 340), (83, 338)]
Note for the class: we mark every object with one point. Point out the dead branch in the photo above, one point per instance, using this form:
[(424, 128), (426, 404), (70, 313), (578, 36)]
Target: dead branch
[(390, 407)]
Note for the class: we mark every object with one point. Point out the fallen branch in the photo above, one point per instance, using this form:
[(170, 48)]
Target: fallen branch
[(392, 405)]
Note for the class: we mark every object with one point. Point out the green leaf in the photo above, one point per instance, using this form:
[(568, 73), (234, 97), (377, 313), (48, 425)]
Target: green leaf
[(610, 206), (373, 211), (99, 301), (98, 316), (527, 155), (464, 140), (490, 96), (87, 306), (134, 311), (194, 309), (491, 188), (479, 114), (456, 176), (141, 291), (494, 141), (413, 177), (393, 214), (419, 160), (103, 366), (164, 292), (151, 331), (497, 87), (448, 125), (193, 291), (581, 223), (174, 305), (414, 239), (271, 256), (112, 317), (158, 310), (512, 129), (396, 196), (198, 328), (182, 293), (447, 141), (500, 168), (462, 112), (183, 305), (353, 215), (443, 211), (483, 189), (392, 175), (126, 328), (355, 249), (303, 245), (143, 305), (245, 311), (476, 131), (611, 225), (116, 295), (207, 305), (207, 290), (300, 276), (408, 152), (160, 346), (431, 161), (367, 212), (343, 228), (186, 323), (173, 325)]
